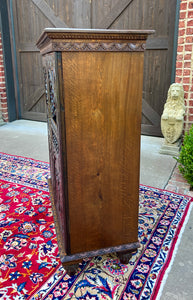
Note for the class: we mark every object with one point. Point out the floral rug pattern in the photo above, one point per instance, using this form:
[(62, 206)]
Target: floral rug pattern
[(30, 267)]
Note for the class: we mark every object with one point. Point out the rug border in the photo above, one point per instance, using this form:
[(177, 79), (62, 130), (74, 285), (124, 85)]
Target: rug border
[(25, 160), (174, 249), (25, 157), (168, 191)]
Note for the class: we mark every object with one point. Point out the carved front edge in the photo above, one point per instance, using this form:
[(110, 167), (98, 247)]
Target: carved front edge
[(56, 184), (72, 40)]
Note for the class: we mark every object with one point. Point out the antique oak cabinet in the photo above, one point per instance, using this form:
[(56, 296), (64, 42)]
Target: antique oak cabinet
[(94, 81)]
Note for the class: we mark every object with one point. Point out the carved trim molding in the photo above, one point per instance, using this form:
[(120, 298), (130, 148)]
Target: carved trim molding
[(79, 256), (96, 36), (87, 36), (90, 34), (60, 240), (98, 46)]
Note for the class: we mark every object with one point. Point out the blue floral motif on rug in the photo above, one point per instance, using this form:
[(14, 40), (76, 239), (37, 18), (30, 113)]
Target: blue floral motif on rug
[(162, 215)]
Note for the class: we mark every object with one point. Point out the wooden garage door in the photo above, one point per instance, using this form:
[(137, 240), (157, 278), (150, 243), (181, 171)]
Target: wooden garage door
[(32, 16)]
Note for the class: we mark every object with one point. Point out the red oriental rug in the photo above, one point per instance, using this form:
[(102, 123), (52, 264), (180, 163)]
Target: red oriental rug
[(29, 262)]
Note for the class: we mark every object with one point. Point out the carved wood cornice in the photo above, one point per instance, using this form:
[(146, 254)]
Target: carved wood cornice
[(92, 40)]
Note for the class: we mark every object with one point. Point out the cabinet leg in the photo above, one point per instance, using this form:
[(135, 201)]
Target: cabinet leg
[(71, 269), (125, 256)]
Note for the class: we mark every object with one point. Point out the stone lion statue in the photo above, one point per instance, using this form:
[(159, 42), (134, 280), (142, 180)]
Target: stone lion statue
[(173, 115)]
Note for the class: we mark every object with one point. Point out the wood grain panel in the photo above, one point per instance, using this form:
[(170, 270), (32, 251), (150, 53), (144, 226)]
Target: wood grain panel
[(102, 116), (76, 13)]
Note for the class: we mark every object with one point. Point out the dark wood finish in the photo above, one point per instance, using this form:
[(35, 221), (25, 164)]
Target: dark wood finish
[(61, 240), (125, 256), (157, 43), (94, 81), (57, 148), (71, 269), (32, 16), (153, 117)]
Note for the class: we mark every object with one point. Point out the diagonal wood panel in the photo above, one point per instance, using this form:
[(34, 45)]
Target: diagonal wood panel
[(35, 98), (49, 13), (150, 113), (110, 18)]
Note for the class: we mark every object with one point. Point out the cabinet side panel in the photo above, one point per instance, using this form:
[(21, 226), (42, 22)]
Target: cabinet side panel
[(103, 94)]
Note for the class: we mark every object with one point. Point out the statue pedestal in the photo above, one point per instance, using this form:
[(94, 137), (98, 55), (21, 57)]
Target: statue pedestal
[(171, 149), (1, 118), (2, 122)]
